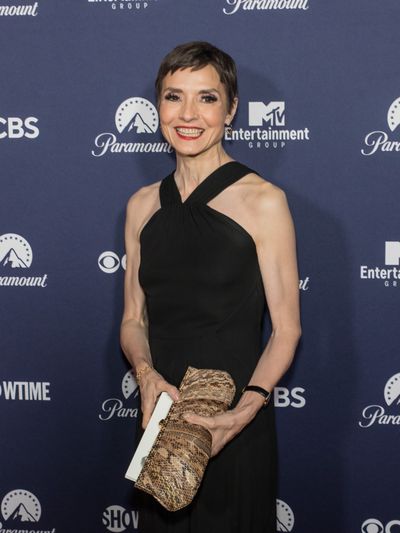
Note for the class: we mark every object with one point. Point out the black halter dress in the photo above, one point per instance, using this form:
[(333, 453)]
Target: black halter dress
[(205, 301)]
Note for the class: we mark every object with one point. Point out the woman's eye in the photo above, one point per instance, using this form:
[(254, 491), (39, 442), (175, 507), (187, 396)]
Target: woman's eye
[(172, 97), (209, 98)]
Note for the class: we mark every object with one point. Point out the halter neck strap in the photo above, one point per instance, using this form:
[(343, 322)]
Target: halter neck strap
[(210, 187)]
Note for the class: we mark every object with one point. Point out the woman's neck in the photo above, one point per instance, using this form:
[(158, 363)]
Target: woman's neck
[(192, 170)]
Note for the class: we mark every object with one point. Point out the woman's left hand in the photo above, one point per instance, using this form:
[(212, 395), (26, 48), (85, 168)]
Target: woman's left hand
[(223, 427)]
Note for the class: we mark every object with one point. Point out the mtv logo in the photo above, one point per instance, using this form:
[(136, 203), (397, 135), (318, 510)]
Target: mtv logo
[(273, 113), (392, 253)]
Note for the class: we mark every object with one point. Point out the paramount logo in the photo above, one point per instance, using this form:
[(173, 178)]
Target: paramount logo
[(115, 407), (381, 141), (252, 5), (136, 121), (377, 414), (21, 511), (16, 257), (19, 10)]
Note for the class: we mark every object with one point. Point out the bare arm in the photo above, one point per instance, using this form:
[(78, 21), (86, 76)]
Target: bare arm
[(276, 250), (134, 326)]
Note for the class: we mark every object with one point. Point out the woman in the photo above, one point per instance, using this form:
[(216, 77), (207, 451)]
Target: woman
[(206, 247)]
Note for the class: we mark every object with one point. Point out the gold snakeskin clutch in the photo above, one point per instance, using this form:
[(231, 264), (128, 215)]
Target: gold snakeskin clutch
[(175, 465)]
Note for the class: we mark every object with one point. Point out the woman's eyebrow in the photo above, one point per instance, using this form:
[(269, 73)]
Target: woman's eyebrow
[(209, 91), (202, 91)]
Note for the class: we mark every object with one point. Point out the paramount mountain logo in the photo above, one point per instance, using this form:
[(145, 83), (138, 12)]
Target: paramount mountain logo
[(392, 390), (376, 413), (18, 508), (389, 275), (12, 259), (114, 407), (284, 516), (267, 127), (138, 114), (15, 254), (21, 505), (22, 514), (379, 141), (135, 117), (253, 5)]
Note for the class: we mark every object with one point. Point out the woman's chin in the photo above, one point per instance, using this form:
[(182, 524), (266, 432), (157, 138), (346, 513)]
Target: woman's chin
[(193, 150)]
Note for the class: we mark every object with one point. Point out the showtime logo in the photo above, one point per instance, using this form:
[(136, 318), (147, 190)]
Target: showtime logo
[(16, 255), (21, 510), (267, 122), (117, 519), (372, 525), (25, 390), (252, 5), (114, 407), (16, 127), (135, 117), (376, 413), (389, 275), (379, 141)]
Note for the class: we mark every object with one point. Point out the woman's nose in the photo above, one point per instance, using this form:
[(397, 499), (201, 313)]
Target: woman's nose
[(188, 110)]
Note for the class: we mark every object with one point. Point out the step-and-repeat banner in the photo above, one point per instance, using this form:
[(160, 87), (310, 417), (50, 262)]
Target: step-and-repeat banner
[(319, 116)]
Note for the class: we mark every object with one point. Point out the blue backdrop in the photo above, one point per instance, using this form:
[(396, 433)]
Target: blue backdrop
[(319, 116)]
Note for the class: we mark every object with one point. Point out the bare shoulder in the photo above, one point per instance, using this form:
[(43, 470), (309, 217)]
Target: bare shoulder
[(267, 208), (145, 195), (264, 196), (142, 204)]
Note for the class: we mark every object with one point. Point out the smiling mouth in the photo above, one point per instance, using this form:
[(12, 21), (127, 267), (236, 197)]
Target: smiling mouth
[(189, 133)]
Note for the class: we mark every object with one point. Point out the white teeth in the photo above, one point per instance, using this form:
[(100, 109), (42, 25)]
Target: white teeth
[(192, 132)]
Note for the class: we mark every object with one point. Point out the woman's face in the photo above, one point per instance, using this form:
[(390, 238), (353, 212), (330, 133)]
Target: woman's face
[(193, 110)]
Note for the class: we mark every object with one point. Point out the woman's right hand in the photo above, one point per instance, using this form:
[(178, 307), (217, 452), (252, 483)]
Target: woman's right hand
[(152, 384)]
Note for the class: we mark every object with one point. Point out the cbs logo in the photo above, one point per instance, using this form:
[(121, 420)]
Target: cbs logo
[(109, 262), (15, 128), (372, 525), (284, 397)]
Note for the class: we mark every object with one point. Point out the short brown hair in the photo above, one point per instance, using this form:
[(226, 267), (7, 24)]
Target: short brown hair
[(199, 54)]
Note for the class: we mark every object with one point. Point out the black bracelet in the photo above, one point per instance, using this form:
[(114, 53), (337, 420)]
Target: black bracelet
[(256, 388)]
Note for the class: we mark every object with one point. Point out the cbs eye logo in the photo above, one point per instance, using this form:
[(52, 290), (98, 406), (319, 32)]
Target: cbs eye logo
[(372, 525), (109, 262)]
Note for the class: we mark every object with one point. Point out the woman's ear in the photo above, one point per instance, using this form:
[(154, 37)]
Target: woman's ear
[(230, 116)]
